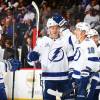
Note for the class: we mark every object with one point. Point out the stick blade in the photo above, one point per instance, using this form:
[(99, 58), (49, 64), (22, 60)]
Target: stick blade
[(54, 93), (34, 4)]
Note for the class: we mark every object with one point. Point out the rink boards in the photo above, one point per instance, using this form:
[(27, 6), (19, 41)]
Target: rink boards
[(23, 84)]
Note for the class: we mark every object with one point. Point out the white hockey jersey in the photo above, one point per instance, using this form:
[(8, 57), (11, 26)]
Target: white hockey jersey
[(54, 58), (4, 67), (69, 36), (99, 50), (85, 56)]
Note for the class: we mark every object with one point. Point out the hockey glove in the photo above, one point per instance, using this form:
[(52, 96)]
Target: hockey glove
[(33, 56), (15, 64)]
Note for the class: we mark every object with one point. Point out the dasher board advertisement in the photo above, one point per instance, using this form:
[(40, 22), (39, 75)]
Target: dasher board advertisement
[(23, 84)]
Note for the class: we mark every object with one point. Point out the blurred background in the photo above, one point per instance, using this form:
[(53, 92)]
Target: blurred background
[(18, 22)]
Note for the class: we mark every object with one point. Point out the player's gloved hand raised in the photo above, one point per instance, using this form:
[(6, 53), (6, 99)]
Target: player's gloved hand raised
[(15, 64), (33, 56)]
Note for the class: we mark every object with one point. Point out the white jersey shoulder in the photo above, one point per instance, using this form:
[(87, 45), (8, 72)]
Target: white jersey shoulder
[(41, 42), (85, 55), (3, 69)]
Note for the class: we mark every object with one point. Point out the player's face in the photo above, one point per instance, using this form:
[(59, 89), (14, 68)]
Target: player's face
[(77, 33), (96, 39), (54, 30), (28, 41), (80, 35)]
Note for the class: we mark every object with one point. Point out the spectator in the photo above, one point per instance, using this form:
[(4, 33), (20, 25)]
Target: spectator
[(92, 17), (92, 5), (45, 12), (9, 51), (29, 16), (26, 48)]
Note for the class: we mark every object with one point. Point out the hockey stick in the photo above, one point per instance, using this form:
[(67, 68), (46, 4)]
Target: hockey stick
[(37, 16), (14, 47), (54, 93), (59, 94), (37, 29), (13, 84)]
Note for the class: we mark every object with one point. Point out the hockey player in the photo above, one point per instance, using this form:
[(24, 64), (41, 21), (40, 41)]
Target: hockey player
[(68, 36), (10, 64), (94, 89), (53, 52), (85, 60)]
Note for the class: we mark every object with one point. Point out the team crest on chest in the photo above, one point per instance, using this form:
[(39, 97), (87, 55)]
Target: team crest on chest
[(56, 54)]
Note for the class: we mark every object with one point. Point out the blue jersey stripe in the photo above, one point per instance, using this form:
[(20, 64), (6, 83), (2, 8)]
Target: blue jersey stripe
[(70, 58), (55, 74), (71, 43), (5, 67), (95, 59), (1, 78), (76, 72)]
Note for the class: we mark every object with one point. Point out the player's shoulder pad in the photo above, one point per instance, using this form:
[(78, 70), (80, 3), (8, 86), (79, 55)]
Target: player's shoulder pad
[(41, 40), (45, 39), (88, 42)]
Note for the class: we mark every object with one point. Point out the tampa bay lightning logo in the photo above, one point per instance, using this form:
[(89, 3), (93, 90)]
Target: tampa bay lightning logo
[(77, 54), (56, 54)]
